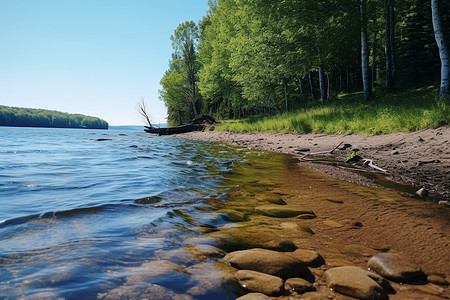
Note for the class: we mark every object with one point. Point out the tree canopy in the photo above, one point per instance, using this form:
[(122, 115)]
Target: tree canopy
[(30, 117), (250, 57)]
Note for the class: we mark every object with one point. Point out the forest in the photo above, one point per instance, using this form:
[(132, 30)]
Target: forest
[(30, 117), (255, 57)]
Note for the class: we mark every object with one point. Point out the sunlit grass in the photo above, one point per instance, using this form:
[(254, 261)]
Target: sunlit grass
[(404, 111)]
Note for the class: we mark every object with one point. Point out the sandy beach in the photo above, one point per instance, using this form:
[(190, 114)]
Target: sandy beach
[(419, 159)]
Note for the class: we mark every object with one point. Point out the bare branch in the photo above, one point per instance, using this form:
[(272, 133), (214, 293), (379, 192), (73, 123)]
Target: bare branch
[(142, 109)]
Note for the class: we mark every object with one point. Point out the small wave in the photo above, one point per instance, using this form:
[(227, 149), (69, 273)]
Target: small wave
[(56, 214)]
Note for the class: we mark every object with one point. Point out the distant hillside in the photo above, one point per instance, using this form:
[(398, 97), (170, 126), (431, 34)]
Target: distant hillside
[(30, 117)]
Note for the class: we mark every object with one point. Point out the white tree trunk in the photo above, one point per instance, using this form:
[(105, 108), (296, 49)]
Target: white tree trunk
[(443, 50), (365, 53), (322, 86)]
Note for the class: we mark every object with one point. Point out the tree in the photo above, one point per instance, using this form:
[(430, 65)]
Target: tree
[(142, 109), (443, 50), (184, 40)]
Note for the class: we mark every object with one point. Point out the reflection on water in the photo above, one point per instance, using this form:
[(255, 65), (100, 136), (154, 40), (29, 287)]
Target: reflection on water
[(134, 216)]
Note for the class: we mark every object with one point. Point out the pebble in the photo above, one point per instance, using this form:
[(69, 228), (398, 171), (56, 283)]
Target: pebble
[(422, 192), (298, 285), (436, 279), (444, 203)]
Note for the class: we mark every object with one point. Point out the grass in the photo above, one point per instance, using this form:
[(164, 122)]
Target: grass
[(404, 111)]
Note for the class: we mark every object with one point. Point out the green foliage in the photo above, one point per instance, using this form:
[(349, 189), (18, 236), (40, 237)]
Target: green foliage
[(29, 117), (404, 111)]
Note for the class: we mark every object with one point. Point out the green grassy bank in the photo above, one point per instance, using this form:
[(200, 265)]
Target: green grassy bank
[(404, 111)]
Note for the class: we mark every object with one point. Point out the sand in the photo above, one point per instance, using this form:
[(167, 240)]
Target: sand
[(419, 159)]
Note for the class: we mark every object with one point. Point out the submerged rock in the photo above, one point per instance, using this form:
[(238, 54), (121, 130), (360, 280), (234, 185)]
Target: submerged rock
[(395, 267), (309, 257), (142, 291), (281, 211), (358, 283), (260, 282), (282, 264), (298, 285), (254, 296)]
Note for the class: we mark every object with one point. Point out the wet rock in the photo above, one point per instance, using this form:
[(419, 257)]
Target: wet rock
[(142, 291), (358, 283), (149, 200), (259, 282), (422, 192), (254, 296), (395, 267), (298, 285), (436, 279), (432, 289), (306, 216), (309, 257), (210, 277), (332, 223), (154, 269), (281, 211), (339, 262), (281, 264)]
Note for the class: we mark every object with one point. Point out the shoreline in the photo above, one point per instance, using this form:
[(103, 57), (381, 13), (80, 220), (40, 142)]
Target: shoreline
[(419, 159)]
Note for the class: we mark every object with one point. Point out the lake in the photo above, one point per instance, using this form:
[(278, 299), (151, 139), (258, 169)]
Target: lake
[(83, 211)]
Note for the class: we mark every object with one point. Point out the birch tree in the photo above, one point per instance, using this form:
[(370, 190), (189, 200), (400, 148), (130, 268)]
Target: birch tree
[(443, 50)]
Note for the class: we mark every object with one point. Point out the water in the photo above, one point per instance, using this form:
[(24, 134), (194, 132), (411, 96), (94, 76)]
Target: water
[(72, 224)]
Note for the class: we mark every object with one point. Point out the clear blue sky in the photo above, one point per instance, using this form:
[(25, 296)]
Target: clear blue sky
[(95, 57)]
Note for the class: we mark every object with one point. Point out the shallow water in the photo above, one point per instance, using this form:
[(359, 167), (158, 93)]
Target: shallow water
[(122, 214), (70, 222)]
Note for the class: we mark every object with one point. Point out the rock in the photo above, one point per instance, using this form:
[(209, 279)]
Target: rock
[(281, 264), (149, 200), (395, 267), (306, 216), (344, 146), (358, 283), (309, 257), (395, 152), (254, 296), (281, 211), (298, 285), (432, 290), (303, 150), (422, 192), (332, 223), (142, 291), (436, 279), (259, 282), (338, 262), (444, 203), (154, 269)]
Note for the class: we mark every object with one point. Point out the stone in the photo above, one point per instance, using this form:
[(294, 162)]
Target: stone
[(332, 223), (436, 279), (358, 283), (281, 211), (444, 203), (306, 216), (254, 296), (395, 152), (309, 257), (395, 267), (298, 285), (142, 291), (281, 264), (338, 262), (259, 282), (422, 192), (154, 269)]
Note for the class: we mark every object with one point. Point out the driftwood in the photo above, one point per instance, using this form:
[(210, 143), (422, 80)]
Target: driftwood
[(175, 130)]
